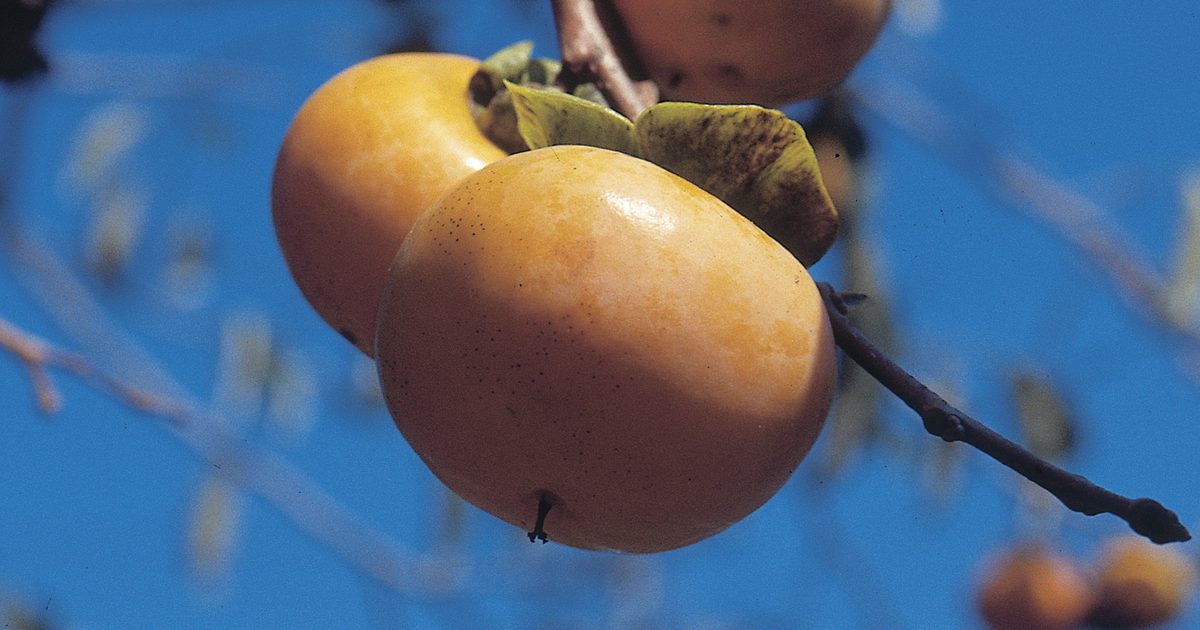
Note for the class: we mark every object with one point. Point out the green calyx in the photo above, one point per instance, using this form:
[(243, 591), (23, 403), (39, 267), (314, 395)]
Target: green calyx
[(756, 160), (547, 117), (491, 102)]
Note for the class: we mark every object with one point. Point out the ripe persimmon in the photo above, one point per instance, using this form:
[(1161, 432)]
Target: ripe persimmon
[(1029, 588), (580, 330), (1141, 584), (768, 52), (366, 154)]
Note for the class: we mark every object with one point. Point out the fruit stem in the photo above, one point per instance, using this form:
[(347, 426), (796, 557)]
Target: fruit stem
[(539, 527), (589, 55), (1145, 516)]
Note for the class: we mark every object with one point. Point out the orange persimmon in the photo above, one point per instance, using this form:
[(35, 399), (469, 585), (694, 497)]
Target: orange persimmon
[(579, 328), (768, 52), (1029, 588), (1142, 584), (366, 154)]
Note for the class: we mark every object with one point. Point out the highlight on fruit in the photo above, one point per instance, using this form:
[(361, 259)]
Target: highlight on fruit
[(583, 338), (601, 353)]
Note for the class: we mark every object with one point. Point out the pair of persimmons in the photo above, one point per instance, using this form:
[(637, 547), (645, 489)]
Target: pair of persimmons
[(573, 333), (1136, 584)]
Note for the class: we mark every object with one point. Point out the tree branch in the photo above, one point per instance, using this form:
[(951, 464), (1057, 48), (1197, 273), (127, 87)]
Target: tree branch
[(38, 357), (32, 354), (1145, 516), (275, 480), (589, 55), (144, 385), (312, 509)]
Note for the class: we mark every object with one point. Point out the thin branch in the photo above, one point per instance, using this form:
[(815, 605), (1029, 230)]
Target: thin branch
[(38, 357), (312, 509), (590, 56), (271, 477), (1145, 516), (32, 355), (1078, 221)]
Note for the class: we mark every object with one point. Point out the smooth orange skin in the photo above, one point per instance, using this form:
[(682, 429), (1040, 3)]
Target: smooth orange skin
[(1142, 584), (583, 325), (366, 154), (768, 52), (1032, 589)]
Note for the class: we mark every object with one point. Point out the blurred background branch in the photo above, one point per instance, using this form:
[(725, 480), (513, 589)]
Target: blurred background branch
[(1166, 300), (268, 475)]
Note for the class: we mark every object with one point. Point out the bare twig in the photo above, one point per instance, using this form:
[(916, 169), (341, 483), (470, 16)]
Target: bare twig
[(39, 356), (313, 510), (32, 354), (1145, 516), (589, 55), (1078, 221), (144, 385)]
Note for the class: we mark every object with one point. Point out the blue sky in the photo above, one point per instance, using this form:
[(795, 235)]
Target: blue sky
[(97, 502)]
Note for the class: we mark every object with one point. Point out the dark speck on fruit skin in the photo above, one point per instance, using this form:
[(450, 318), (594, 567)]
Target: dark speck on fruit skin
[(730, 72)]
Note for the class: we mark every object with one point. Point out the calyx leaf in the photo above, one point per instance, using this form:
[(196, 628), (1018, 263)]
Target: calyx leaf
[(756, 160), (506, 64), (548, 117)]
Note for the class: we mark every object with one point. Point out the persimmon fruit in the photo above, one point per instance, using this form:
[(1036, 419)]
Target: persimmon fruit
[(1030, 588), (366, 154), (576, 329), (767, 52), (1141, 584)]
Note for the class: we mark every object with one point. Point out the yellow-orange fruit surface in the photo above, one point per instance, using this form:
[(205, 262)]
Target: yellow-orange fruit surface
[(1142, 584), (1032, 589), (768, 52), (577, 325), (366, 154)]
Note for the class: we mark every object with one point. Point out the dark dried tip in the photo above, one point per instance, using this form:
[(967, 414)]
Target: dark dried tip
[(539, 528), (1154, 521)]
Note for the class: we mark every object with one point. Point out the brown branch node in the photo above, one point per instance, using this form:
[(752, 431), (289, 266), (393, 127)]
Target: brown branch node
[(948, 426)]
